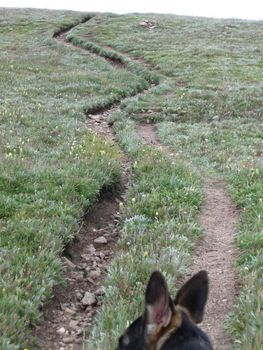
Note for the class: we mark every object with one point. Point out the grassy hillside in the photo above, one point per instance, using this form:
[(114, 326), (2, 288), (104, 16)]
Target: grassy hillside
[(52, 168), (208, 107)]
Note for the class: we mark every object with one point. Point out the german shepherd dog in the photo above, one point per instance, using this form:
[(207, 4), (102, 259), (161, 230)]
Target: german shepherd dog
[(168, 324)]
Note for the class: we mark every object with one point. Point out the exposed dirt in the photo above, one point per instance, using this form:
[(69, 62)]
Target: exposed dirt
[(68, 315), (99, 123), (71, 311), (215, 253)]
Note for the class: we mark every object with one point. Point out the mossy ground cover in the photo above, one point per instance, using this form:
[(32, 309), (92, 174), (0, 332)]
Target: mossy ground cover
[(208, 108)]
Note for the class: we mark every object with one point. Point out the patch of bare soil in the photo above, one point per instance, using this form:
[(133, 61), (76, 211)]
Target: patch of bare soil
[(215, 253), (147, 133), (99, 123), (71, 310)]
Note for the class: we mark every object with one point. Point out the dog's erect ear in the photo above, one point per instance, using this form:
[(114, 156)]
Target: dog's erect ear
[(157, 301), (193, 296)]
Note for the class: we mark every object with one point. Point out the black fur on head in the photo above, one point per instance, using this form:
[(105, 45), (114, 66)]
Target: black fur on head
[(167, 324)]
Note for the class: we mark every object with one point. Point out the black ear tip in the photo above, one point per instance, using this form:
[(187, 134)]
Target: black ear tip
[(156, 280), (157, 275), (202, 276), (156, 287)]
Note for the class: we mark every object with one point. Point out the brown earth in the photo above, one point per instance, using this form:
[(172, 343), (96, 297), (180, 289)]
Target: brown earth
[(67, 316), (215, 253)]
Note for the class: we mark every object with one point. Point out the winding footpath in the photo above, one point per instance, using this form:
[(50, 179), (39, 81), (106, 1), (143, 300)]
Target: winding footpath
[(66, 315), (216, 252)]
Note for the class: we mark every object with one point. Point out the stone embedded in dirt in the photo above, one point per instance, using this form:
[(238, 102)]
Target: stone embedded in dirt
[(101, 255), (91, 249), (79, 295), (61, 330), (89, 299), (68, 340), (68, 263), (101, 240), (70, 311), (100, 291), (97, 118), (85, 257), (95, 274), (73, 324)]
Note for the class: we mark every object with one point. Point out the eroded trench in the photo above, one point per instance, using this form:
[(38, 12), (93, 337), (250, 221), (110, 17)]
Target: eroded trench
[(72, 309)]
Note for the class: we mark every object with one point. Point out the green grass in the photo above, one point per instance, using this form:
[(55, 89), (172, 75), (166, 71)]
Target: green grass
[(157, 231), (236, 151), (208, 108), (212, 67), (52, 167)]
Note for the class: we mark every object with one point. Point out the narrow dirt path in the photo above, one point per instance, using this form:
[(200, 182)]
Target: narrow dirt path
[(87, 258), (71, 311), (215, 253)]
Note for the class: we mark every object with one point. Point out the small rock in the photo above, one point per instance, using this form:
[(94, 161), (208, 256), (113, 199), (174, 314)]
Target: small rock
[(70, 311), (100, 291), (79, 296), (91, 249), (215, 118), (79, 332), (68, 262), (73, 324), (61, 330), (101, 255), (101, 240), (95, 274), (89, 299), (97, 118), (68, 340)]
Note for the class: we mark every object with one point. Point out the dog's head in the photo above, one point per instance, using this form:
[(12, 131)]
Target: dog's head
[(166, 321)]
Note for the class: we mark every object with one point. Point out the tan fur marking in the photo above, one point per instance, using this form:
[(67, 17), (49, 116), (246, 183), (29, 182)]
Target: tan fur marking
[(156, 340), (183, 309), (175, 323)]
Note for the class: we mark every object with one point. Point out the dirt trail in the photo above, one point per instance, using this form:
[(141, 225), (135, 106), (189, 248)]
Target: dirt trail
[(71, 311), (215, 253)]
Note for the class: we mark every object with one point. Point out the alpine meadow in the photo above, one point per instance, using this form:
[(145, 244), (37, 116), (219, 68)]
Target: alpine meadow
[(159, 117)]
